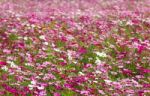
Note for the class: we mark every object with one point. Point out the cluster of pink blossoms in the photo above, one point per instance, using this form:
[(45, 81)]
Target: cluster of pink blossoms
[(74, 48)]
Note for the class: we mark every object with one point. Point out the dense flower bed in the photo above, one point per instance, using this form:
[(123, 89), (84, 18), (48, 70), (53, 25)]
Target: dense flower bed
[(74, 48)]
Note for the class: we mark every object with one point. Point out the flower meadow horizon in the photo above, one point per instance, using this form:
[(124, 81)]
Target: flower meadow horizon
[(74, 48)]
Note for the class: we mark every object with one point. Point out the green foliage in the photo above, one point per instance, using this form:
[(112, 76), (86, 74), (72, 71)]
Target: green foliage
[(13, 37)]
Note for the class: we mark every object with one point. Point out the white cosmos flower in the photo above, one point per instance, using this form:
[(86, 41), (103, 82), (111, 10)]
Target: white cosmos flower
[(45, 43), (42, 37), (40, 87), (108, 81), (30, 86), (98, 72), (12, 64), (4, 68), (33, 26), (81, 73), (69, 53), (101, 54), (28, 64), (98, 61), (25, 38), (57, 50), (33, 82)]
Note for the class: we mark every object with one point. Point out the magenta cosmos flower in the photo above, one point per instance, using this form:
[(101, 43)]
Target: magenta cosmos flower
[(2, 63)]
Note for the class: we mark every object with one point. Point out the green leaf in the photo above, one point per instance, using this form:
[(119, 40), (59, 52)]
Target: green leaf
[(60, 44), (13, 37), (25, 83), (29, 41)]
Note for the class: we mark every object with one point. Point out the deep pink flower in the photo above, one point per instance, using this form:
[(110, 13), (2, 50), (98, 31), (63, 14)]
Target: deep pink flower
[(2, 63), (127, 72), (140, 49), (146, 85), (63, 63), (10, 89), (64, 39), (143, 70), (58, 87), (140, 93), (82, 50), (68, 85), (146, 70)]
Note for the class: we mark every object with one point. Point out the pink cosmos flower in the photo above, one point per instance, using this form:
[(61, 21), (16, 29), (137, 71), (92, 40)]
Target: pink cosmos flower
[(84, 92), (7, 51), (21, 45), (57, 94), (88, 66)]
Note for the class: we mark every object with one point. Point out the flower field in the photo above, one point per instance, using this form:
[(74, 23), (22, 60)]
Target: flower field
[(74, 47)]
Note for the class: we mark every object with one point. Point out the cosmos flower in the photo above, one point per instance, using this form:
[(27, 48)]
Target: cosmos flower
[(101, 54), (89, 47), (2, 63)]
